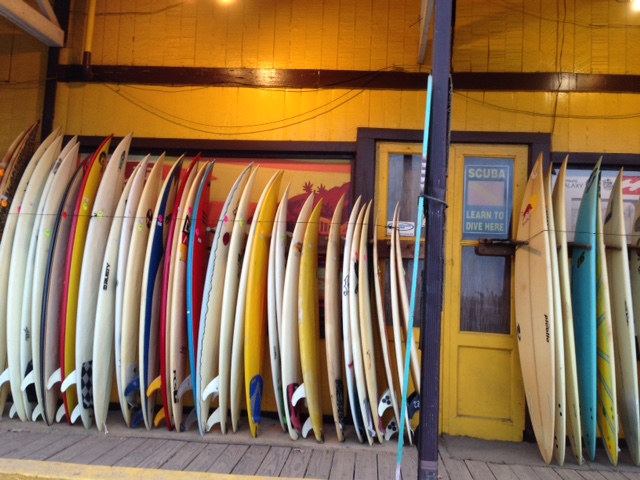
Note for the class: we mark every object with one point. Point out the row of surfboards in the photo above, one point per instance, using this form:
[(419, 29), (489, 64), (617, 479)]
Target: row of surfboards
[(575, 311), (132, 277)]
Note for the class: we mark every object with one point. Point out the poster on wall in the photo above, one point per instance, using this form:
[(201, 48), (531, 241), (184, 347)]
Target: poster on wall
[(575, 184), (326, 179), (488, 192)]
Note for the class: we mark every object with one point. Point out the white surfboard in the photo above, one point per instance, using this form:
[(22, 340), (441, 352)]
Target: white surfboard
[(574, 430), (150, 300), (102, 357), (211, 314), (106, 199), (356, 341), (60, 175), (275, 287), (229, 300), (352, 393), (388, 397), (128, 222), (624, 332), (19, 339), (561, 395), (129, 373), (290, 348), (178, 347)]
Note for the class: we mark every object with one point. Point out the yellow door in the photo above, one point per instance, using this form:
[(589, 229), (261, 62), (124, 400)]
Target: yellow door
[(482, 394)]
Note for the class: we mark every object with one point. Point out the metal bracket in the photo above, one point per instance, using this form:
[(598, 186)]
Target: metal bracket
[(491, 247)]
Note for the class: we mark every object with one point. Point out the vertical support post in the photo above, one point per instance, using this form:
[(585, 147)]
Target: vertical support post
[(62, 9), (433, 281)]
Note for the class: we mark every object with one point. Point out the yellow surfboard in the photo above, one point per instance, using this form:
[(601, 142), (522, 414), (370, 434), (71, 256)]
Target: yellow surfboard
[(75, 253), (256, 302), (309, 325)]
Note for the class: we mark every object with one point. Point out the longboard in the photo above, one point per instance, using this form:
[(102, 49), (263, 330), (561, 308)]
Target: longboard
[(560, 436), (73, 265), (275, 291), (178, 336), (623, 321), (211, 315), (574, 430), (229, 303), (534, 311), (60, 175), (333, 321), (255, 318), (290, 348), (583, 298), (128, 222), (20, 282), (354, 404), (129, 367), (199, 241), (105, 314), (168, 273), (106, 199), (150, 301)]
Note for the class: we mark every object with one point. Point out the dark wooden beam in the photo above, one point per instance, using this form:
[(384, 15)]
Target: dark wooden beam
[(367, 79), (435, 210)]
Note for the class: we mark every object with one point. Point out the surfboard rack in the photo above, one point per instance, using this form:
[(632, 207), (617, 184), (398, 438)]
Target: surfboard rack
[(492, 247)]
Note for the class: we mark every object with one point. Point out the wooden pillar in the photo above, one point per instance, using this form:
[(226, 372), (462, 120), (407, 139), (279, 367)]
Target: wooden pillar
[(433, 282)]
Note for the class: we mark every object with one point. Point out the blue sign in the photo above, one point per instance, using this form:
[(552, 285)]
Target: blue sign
[(488, 198)]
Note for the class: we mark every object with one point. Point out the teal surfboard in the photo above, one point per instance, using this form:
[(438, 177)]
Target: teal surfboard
[(583, 296)]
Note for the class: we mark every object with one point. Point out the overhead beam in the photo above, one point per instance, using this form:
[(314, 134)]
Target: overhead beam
[(32, 22)]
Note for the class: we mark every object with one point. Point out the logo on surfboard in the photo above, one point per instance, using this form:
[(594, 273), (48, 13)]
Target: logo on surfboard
[(531, 207)]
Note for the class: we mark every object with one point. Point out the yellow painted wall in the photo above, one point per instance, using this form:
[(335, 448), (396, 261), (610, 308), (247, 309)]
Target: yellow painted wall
[(23, 63)]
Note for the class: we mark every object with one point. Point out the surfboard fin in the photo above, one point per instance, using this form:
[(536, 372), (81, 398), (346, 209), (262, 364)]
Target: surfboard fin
[(368, 419), (26, 381), (132, 387), (185, 386), (212, 388), (68, 381), (4, 377), (190, 420), (294, 410), (137, 419), (61, 412), (37, 412), (391, 430), (160, 417), (54, 378), (77, 412), (13, 411), (413, 405), (214, 418), (300, 392), (385, 402), (307, 427), (154, 387)]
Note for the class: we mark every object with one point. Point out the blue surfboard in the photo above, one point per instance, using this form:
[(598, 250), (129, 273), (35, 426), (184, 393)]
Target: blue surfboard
[(583, 297)]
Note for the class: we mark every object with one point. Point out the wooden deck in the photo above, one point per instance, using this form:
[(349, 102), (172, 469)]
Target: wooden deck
[(273, 454)]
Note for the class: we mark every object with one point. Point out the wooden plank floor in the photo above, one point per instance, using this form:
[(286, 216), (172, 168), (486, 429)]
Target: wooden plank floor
[(273, 454)]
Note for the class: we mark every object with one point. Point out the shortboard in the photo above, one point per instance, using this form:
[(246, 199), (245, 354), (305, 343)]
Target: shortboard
[(207, 365), (255, 318), (333, 320), (290, 347), (106, 199), (129, 367), (73, 266), (150, 301)]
